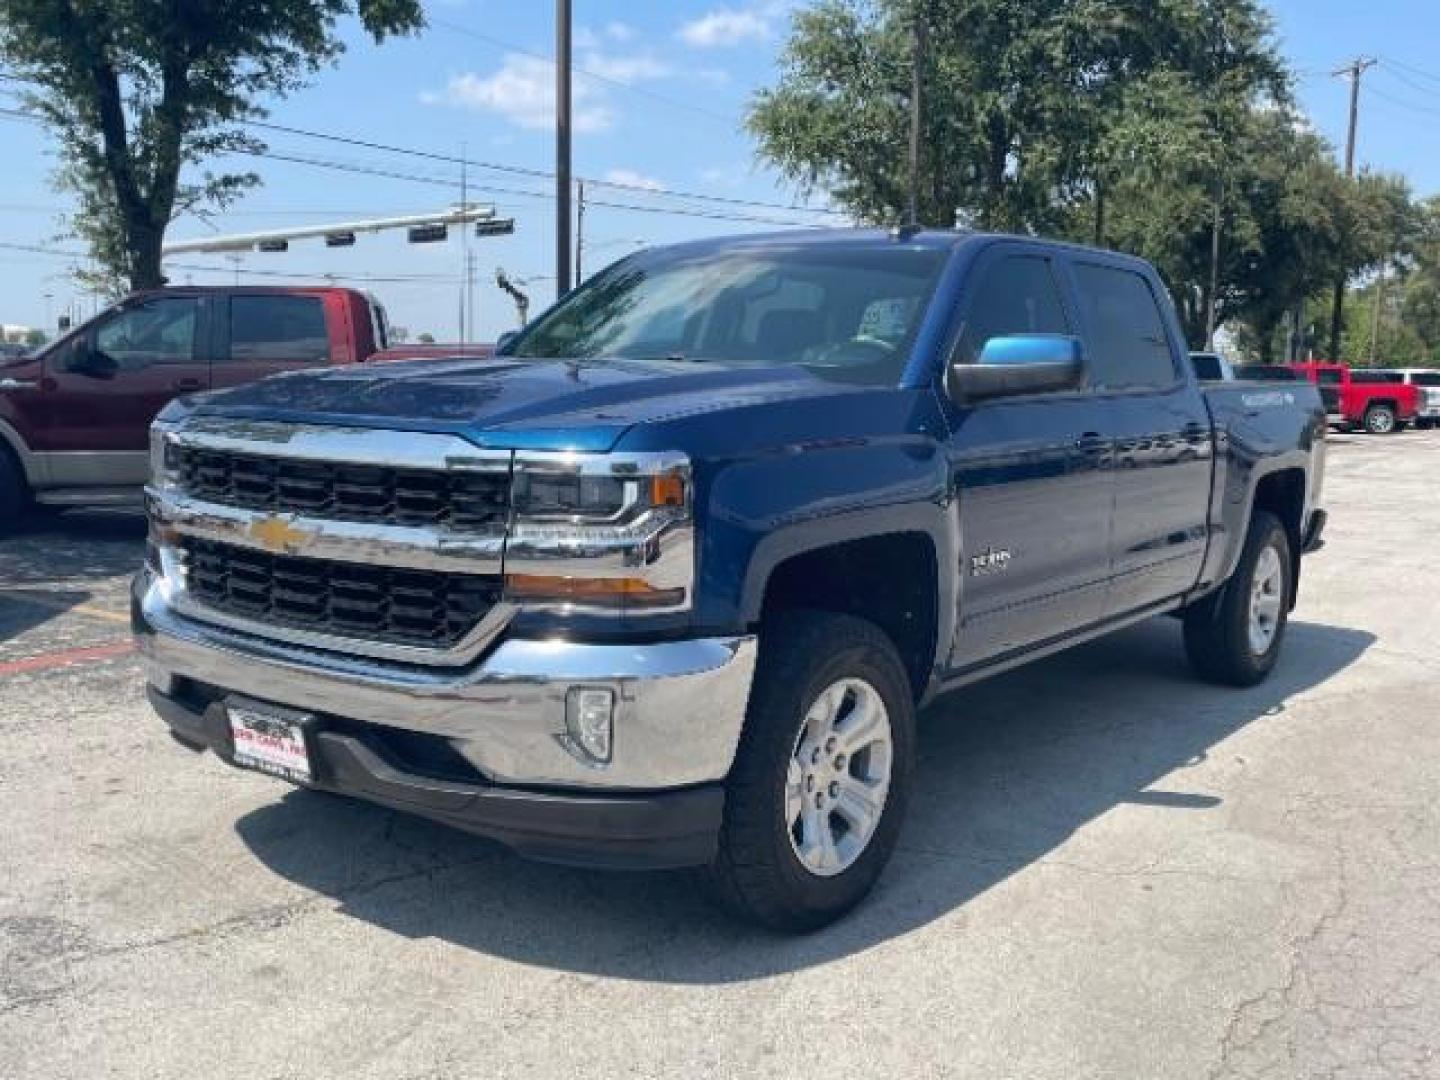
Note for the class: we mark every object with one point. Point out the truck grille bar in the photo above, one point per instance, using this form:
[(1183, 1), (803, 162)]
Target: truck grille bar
[(353, 600), (339, 491)]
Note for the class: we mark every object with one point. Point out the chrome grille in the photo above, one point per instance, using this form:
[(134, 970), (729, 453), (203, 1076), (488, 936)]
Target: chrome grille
[(353, 600), (345, 491)]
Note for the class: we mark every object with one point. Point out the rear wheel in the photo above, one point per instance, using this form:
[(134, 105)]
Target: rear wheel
[(1380, 420), (1234, 635), (822, 774)]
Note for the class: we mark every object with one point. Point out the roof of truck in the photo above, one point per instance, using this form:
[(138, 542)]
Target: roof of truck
[(930, 238)]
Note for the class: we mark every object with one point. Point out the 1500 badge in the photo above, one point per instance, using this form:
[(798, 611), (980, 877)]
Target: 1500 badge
[(990, 561)]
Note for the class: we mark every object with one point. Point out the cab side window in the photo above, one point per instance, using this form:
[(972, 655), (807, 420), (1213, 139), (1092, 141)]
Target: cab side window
[(1016, 294), (1128, 347), (158, 331)]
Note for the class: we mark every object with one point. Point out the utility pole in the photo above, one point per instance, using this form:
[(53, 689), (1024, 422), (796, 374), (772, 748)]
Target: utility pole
[(579, 230), (562, 146), (464, 245), (1214, 266), (1375, 315), (917, 79), (1351, 71)]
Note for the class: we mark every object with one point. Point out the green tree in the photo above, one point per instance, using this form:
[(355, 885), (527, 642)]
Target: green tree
[(34, 337), (1027, 102), (141, 94)]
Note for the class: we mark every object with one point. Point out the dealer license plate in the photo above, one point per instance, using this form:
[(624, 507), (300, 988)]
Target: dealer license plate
[(270, 741)]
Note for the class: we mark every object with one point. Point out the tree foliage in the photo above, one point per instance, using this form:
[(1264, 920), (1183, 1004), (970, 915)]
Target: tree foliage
[(141, 94), (1110, 121)]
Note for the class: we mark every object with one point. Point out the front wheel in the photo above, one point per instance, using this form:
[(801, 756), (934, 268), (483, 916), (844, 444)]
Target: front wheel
[(822, 774), (1234, 635), (1380, 420)]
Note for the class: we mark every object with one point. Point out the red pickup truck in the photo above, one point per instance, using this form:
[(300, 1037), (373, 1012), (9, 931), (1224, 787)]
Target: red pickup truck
[(75, 416), (1351, 400)]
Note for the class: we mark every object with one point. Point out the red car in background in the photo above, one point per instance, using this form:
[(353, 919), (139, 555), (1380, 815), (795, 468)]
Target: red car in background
[(75, 415), (1353, 401)]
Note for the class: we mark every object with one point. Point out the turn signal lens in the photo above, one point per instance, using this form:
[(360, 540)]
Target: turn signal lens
[(667, 489), (605, 592)]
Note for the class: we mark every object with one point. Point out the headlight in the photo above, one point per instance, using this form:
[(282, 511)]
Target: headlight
[(601, 531), (164, 457)]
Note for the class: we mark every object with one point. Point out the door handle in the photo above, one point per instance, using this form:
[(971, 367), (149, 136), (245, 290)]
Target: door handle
[(19, 384), (188, 384)]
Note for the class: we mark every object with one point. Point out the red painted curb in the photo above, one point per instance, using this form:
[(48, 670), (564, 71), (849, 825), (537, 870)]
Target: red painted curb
[(66, 658)]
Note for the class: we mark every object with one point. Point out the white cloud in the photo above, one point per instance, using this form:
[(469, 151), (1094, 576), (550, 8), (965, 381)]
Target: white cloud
[(625, 69), (725, 27), (619, 31), (729, 176), (631, 178), (523, 92)]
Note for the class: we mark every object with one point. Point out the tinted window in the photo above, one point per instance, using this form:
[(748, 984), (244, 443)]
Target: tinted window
[(842, 311), (1426, 378), (1330, 376), (158, 331), (1371, 375), (1208, 366), (1128, 346), (1014, 295), (278, 328)]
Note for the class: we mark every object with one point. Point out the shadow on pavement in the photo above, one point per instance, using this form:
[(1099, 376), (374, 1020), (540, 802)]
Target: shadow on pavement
[(1009, 769), (73, 546)]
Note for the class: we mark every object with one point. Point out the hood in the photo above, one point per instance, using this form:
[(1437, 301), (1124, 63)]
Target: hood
[(514, 404)]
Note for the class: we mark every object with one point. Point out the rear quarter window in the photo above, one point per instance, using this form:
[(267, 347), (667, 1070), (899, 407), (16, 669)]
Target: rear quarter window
[(1128, 346), (278, 328)]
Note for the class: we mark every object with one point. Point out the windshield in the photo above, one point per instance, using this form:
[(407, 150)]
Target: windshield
[(845, 311)]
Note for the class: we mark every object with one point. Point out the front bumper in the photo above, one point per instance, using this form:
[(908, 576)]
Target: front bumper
[(640, 831), (497, 726)]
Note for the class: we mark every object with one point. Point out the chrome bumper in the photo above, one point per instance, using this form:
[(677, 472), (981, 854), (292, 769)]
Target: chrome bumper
[(680, 708)]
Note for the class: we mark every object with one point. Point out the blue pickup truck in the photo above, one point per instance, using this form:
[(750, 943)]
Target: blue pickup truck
[(665, 581)]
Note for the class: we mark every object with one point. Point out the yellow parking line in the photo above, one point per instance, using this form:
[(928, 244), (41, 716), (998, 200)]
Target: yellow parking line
[(102, 613)]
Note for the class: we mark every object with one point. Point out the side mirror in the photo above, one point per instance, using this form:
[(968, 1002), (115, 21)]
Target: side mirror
[(1018, 365), (504, 341)]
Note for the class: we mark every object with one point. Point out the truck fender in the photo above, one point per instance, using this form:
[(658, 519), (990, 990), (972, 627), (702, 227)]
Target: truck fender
[(939, 523)]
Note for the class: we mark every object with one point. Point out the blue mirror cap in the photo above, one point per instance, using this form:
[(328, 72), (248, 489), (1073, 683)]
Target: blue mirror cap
[(1012, 349)]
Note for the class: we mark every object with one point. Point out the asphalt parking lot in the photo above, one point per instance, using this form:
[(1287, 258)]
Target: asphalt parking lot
[(1110, 871)]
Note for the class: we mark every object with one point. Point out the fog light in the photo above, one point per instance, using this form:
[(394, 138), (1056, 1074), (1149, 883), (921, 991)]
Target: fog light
[(590, 720)]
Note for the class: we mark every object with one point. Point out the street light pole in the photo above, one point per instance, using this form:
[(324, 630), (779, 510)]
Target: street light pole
[(562, 146)]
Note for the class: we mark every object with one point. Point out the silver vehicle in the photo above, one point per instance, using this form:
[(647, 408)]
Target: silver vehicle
[(1427, 409)]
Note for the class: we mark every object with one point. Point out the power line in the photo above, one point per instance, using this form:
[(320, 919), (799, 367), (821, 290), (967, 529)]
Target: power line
[(1428, 109), (539, 174), (1390, 61), (365, 170), (517, 170), (39, 249)]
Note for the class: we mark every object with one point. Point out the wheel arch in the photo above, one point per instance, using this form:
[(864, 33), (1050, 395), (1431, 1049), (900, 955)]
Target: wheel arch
[(879, 567)]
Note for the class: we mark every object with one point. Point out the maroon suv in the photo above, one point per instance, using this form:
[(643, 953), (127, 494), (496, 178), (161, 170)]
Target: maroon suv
[(75, 415)]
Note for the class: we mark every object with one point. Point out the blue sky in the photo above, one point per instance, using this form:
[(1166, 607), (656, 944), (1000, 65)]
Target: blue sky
[(660, 109)]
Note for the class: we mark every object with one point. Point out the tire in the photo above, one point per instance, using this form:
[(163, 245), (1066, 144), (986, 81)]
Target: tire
[(1380, 420), (759, 872), (1218, 630), (14, 494)]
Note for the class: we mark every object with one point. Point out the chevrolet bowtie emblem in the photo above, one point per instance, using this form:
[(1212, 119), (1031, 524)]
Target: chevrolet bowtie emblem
[(277, 534)]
